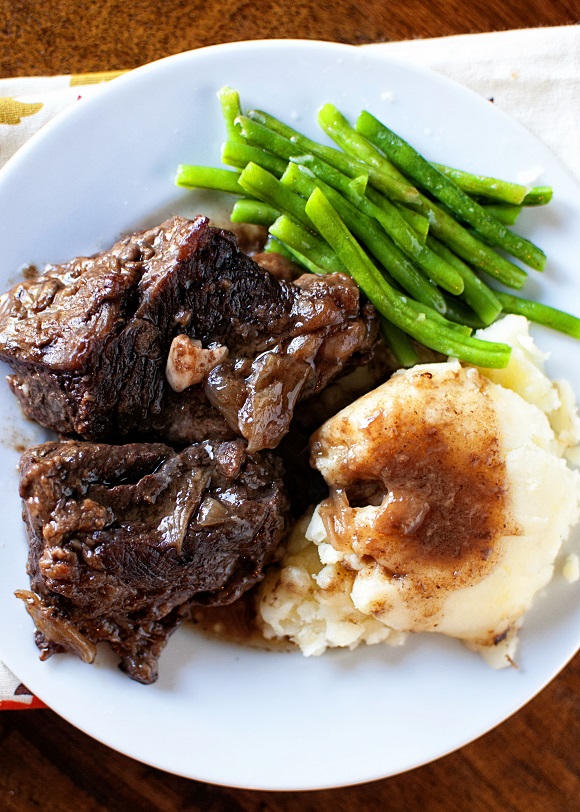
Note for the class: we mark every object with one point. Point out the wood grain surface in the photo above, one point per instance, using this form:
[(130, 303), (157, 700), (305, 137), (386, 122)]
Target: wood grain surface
[(61, 36), (530, 762)]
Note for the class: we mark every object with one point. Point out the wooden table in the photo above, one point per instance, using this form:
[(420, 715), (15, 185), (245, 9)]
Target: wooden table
[(531, 761)]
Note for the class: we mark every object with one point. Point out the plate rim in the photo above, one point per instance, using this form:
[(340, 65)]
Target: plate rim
[(12, 165)]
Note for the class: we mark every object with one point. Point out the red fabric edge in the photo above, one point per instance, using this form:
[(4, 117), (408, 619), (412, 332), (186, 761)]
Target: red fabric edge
[(8, 704)]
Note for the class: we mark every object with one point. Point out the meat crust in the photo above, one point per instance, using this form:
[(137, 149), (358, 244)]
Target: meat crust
[(89, 341), (124, 539)]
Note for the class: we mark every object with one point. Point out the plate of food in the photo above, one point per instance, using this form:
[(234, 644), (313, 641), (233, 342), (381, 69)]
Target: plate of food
[(291, 511)]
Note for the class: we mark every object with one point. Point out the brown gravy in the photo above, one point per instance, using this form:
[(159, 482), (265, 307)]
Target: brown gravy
[(236, 623)]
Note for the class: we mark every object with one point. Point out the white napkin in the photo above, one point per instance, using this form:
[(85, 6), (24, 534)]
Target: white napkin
[(532, 74)]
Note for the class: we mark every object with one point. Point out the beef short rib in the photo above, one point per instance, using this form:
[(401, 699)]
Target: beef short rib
[(124, 539), (141, 339)]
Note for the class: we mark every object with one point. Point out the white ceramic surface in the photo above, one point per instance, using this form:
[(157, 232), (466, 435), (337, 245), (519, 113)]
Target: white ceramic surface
[(222, 713)]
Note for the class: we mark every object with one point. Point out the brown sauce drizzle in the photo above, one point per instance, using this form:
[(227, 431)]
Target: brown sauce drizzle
[(236, 623), (30, 272)]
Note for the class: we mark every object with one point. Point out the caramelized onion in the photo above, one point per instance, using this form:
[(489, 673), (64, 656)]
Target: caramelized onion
[(211, 512), (56, 629)]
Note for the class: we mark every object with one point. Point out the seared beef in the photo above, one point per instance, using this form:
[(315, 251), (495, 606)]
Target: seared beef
[(93, 343), (123, 539)]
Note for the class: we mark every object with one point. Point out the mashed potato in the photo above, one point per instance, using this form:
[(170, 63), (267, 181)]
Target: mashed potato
[(450, 498)]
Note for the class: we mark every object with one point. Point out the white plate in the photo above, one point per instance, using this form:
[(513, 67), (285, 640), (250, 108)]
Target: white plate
[(222, 713)]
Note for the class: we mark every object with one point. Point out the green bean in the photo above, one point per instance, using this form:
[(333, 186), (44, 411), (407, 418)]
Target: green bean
[(274, 246), (540, 313), (469, 248), (399, 344), (305, 262), (459, 312), (207, 177), (503, 212), (340, 130), (358, 186), (300, 240), (377, 206), (337, 127), (392, 187), (538, 196), (261, 184), (240, 154), (497, 190), (229, 100), (444, 227), (255, 212), (370, 233), (418, 222), (261, 136), (425, 312), (390, 304), (434, 267), (305, 144), (476, 293), (389, 217), (414, 165), (300, 180), (417, 285)]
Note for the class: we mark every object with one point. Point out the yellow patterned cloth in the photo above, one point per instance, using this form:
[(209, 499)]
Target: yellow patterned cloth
[(27, 104), (533, 75)]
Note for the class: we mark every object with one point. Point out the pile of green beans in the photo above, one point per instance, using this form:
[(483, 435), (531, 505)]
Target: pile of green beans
[(415, 236)]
